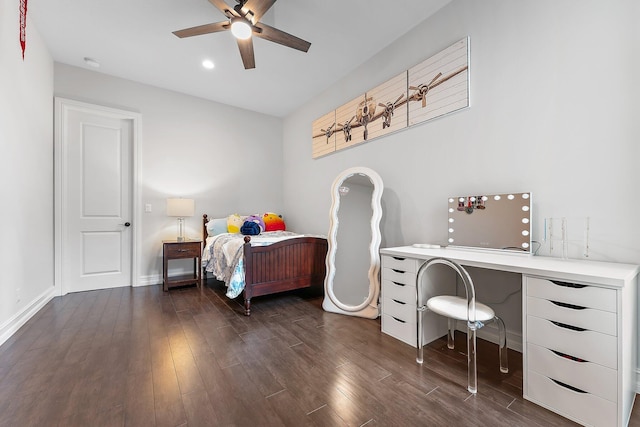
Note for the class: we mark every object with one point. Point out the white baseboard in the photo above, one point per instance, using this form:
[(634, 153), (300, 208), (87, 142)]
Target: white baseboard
[(156, 279), (14, 323), (153, 279)]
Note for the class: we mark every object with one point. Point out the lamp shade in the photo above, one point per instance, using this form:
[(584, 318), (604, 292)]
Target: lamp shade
[(180, 207)]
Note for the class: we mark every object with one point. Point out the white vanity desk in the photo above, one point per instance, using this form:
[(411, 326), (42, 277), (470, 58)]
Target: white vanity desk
[(579, 326)]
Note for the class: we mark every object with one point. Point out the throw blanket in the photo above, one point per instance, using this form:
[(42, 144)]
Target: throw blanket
[(250, 228), (225, 262)]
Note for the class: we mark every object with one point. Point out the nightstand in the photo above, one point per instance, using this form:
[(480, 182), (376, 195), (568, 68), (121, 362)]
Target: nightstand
[(171, 250)]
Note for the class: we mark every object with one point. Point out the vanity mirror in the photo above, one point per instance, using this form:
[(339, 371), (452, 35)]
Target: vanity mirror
[(497, 221)]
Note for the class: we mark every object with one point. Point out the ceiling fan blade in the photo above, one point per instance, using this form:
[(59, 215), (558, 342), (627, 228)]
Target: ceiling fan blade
[(246, 52), (224, 7), (202, 29), (277, 36), (258, 8)]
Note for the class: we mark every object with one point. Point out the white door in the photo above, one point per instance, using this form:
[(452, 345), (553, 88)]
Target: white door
[(95, 197)]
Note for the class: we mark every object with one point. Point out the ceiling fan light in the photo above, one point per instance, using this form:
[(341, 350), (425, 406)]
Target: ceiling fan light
[(240, 28)]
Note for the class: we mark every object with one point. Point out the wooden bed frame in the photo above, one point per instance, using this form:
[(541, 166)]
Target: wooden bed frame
[(283, 266)]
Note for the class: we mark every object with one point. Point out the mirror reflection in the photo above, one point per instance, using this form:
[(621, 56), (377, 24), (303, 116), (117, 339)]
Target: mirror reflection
[(354, 237), (497, 221)]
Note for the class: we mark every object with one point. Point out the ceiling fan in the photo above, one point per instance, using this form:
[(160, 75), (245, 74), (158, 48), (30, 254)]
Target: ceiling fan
[(244, 21)]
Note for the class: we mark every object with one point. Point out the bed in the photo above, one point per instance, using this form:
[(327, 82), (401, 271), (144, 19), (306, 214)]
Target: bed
[(269, 263)]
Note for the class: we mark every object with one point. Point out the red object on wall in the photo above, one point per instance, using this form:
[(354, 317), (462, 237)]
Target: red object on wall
[(23, 25)]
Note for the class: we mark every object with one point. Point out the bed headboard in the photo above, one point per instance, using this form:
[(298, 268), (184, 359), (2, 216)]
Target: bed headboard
[(205, 219)]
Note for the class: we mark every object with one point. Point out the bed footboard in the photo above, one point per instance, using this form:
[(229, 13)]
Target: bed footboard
[(291, 264)]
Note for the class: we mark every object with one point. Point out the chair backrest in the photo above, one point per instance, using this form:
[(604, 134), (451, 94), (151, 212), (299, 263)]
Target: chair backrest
[(466, 280)]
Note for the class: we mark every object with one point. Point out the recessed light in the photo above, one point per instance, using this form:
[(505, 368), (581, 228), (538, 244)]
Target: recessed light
[(208, 64), (91, 62)]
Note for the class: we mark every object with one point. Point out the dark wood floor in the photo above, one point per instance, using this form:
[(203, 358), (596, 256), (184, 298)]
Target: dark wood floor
[(139, 357)]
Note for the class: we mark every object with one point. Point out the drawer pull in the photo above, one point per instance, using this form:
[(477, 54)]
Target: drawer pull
[(577, 390), (399, 302), (571, 306), (399, 258), (568, 285), (398, 284), (398, 271), (399, 320), (183, 250), (564, 325), (566, 356)]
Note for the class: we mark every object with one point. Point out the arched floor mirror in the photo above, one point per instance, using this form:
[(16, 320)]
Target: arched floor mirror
[(352, 283)]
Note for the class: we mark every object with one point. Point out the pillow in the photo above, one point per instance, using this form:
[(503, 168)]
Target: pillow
[(273, 222), (250, 228), (234, 222), (216, 226), (256, 219)]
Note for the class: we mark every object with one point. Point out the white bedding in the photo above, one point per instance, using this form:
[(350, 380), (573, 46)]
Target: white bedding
[(223, 256)]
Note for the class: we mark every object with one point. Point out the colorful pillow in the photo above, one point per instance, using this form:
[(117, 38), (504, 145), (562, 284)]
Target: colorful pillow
[(273, 222), (256, 219), (250, 228), (216, 226), (234, 222)]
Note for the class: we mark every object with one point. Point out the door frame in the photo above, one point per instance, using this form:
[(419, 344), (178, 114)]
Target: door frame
[(60, 176)]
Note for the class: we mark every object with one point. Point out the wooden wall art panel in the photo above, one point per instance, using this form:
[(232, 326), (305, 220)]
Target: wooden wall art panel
[(437, 86), (324, 136), (440, 84), (350, 119), (390, 101)]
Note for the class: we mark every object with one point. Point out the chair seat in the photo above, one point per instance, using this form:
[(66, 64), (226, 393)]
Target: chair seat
[(456, 308)]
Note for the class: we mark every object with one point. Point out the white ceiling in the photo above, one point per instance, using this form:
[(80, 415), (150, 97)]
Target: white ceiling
[(133, 39)]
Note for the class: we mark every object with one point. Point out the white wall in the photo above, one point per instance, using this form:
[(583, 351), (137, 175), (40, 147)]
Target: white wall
[(26, 172), (554, 110), (228, 159)]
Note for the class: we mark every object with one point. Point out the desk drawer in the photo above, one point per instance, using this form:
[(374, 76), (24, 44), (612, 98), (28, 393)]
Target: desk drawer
[(400, 263), (398, 276), (580, 406), (183, 250), (399, 291), (583, 317), (400, 329), (590, 377), (582, 295), (399, 309), (588, 345)]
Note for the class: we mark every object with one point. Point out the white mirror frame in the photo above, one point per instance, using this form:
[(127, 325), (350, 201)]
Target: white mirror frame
[(369, 308)]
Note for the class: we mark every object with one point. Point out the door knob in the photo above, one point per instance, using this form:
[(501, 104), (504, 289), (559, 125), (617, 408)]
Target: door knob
[(126, 224)]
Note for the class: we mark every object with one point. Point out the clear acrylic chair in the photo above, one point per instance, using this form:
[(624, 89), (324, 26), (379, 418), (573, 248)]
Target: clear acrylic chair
[(460, 308)]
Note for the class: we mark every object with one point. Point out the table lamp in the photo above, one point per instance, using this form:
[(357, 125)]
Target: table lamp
[(180, 208)]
